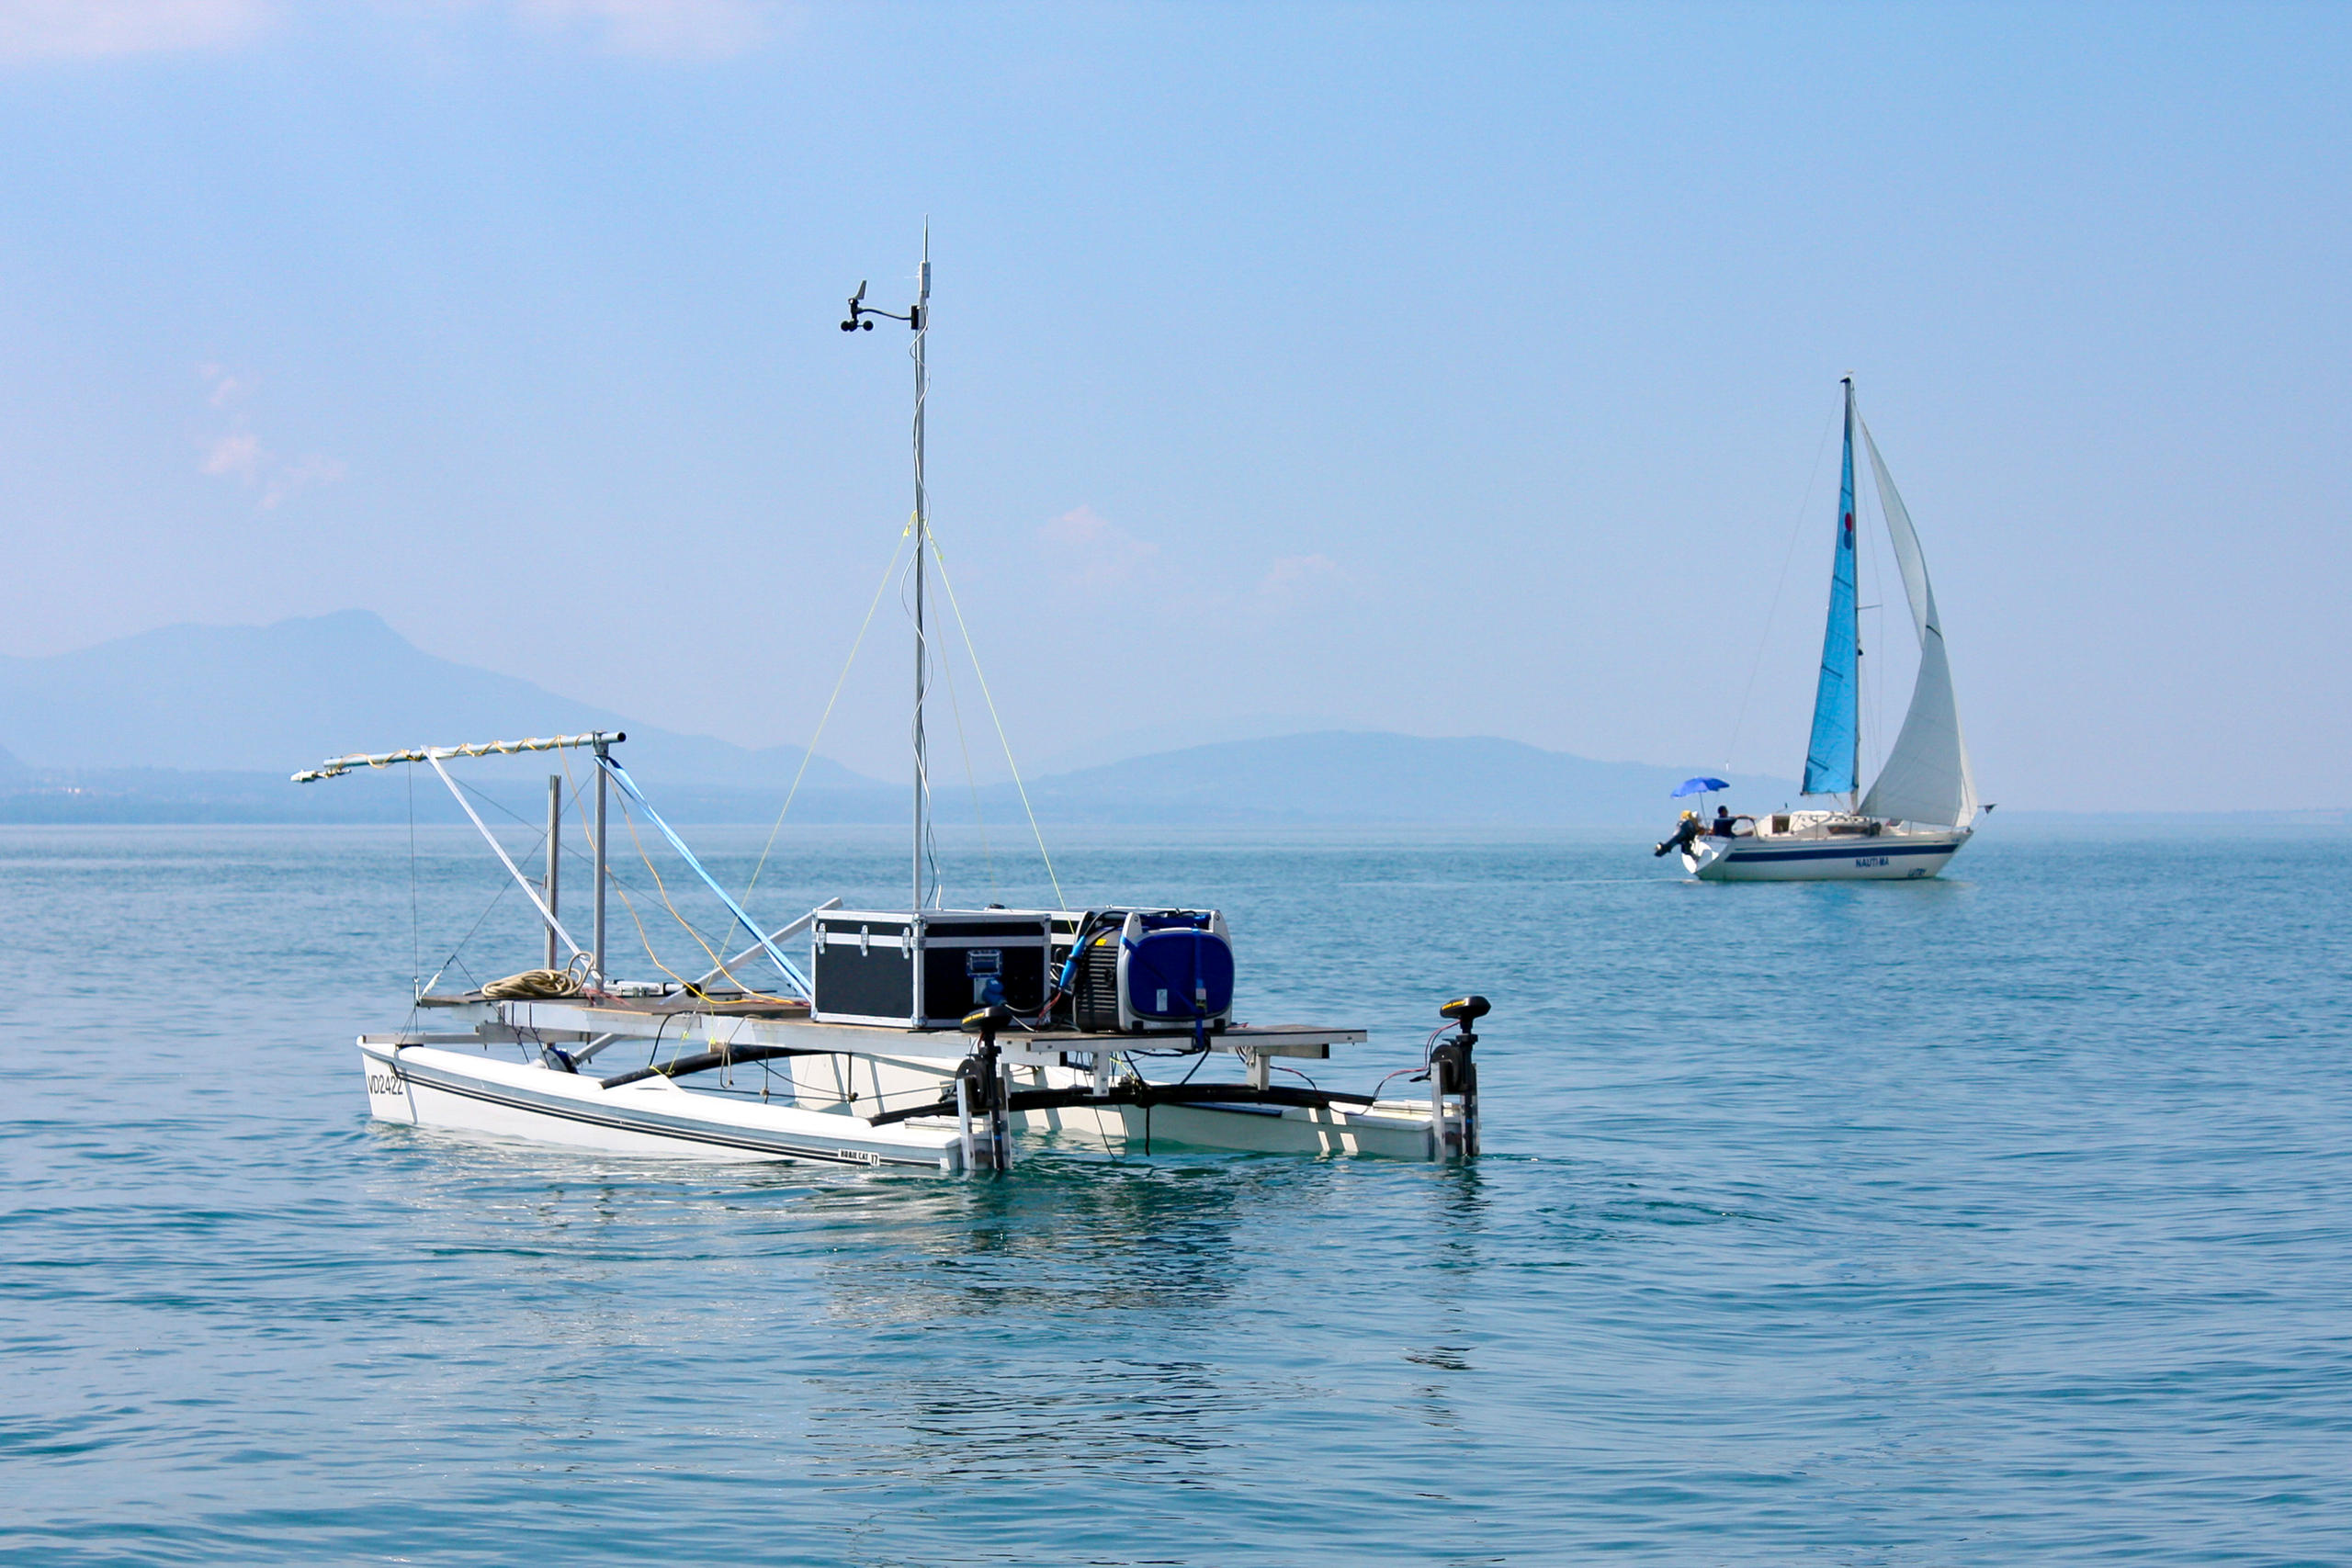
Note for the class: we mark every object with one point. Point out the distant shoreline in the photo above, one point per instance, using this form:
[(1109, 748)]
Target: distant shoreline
[(162, 797)]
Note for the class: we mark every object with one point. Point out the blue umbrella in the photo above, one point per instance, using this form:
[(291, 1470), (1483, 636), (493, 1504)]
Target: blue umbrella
[(1697, 786)]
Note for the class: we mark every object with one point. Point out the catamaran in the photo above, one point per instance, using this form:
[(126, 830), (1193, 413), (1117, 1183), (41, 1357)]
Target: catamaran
[(923, 1037), (1923, 805)]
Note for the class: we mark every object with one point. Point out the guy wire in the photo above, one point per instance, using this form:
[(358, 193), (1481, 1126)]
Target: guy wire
[(810, 752), (971, 776), (981, 675)]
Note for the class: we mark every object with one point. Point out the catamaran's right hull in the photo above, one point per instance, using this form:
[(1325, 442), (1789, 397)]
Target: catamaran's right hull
[(1892, 857), (1393, 1129), (1398, 1130)]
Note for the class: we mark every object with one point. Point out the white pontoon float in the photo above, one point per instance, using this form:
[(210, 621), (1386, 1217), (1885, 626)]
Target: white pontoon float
[(923, 1037)]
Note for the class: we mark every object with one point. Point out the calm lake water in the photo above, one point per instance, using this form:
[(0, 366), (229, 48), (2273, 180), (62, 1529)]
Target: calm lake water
[(2000, 1218)]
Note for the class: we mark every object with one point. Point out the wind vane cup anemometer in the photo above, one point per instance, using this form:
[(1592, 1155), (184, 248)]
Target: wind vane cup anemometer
[(859, 310), (925, 1036)]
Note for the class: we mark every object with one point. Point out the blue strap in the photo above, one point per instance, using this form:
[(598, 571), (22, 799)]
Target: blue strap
[(628, 787)]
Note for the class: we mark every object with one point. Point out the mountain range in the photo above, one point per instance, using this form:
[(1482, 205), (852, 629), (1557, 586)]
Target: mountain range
[(267, 699), (192, 723)]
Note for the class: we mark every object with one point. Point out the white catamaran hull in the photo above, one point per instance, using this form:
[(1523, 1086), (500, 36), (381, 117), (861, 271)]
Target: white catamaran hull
[(468, 1092), (1398, 1130), (463, 1091), (1887, 857), (1394, 1128)]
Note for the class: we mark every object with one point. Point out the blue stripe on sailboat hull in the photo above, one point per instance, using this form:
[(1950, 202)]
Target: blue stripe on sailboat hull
[(1838, 851)]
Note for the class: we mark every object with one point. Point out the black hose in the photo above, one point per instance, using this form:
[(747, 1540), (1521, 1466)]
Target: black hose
[(1145, 1094), (703, 1061)]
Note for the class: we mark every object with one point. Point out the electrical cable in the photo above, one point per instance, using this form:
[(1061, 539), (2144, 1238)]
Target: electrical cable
[(928, 847)]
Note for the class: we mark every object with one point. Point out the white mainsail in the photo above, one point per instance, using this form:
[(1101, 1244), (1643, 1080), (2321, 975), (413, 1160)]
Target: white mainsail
[(1927, 777)]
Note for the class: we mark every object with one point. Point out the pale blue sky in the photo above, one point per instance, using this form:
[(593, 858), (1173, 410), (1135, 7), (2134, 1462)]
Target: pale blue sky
[(1450, 370)]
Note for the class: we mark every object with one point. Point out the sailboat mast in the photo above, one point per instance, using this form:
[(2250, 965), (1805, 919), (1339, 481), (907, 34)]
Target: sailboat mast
[(1853, 539), (923, 544), (1833, 756)]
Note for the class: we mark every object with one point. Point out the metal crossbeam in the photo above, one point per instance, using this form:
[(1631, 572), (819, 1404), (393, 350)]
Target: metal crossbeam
[(337, 766)]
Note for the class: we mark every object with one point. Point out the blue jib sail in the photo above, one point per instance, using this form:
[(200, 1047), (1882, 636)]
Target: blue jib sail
[(1829, 756)]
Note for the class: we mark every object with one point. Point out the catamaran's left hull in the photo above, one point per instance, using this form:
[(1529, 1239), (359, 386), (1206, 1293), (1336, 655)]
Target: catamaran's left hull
[(1891, 857), (464, 1092)]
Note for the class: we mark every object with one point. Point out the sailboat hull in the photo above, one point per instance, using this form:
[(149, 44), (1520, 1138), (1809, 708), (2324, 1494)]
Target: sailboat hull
[(1894, 856)]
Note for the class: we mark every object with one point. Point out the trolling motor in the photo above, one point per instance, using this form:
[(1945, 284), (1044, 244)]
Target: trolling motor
[(1453, 1130), (980, 1093)]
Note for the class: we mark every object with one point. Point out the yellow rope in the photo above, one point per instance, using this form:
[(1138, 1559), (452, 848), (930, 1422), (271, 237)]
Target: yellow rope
[(651, 957), (1059, 902), (660, 888)]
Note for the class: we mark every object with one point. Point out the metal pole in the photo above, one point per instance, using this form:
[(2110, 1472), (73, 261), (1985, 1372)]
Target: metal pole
[(599, 962), (922, 545), (554, 852), (1854, 796), (1002, 1117)]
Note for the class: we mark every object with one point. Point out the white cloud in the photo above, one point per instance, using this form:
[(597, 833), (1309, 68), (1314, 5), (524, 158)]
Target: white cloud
[(33, 31), (226, 389), (237, 456), (669, 29), (1089, 551), (45, 31)]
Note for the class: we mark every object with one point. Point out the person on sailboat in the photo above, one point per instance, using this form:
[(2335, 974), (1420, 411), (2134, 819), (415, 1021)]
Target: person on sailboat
[(1685, 833), (1722, 827)]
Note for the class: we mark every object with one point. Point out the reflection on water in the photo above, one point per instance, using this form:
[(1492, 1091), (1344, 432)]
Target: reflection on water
[(1059, 1321)]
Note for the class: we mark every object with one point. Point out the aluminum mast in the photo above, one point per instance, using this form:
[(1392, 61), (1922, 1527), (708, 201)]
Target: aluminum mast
[(921, 321), (918, 317)]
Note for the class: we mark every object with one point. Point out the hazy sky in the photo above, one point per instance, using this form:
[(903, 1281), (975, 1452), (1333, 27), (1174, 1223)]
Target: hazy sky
[(1442, 369)]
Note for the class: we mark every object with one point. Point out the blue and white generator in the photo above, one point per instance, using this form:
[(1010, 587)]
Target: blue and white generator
[(1144, 971)]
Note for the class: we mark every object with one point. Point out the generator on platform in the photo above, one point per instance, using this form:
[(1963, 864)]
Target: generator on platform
[(1143, 972)]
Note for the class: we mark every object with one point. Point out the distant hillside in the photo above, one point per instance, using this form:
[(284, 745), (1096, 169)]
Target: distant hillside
[(1340, 776), (271, 699), (516, 786), (203, 724)]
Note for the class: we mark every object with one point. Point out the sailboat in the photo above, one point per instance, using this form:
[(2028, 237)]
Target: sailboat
[(923, 1037), (1923, 804)]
